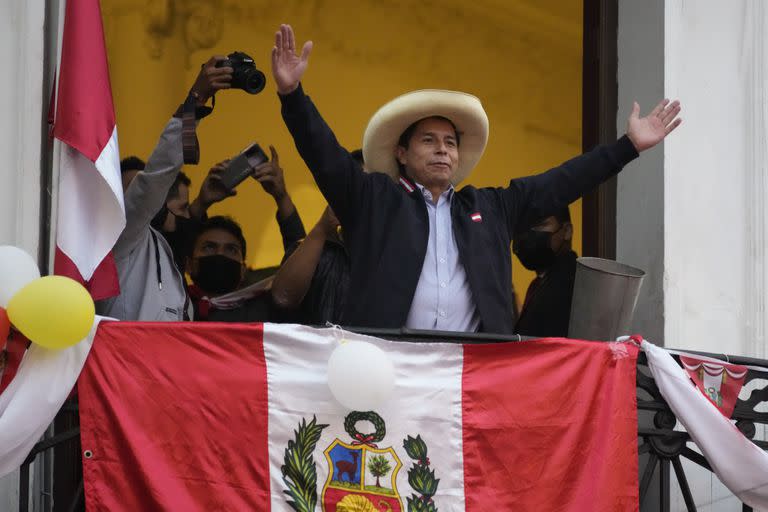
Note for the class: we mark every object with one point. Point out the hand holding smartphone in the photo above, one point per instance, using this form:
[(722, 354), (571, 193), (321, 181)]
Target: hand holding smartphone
[(241, 166)]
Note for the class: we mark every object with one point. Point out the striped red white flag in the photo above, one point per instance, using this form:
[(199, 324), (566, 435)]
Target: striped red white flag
[(91, 212), (536, 425)]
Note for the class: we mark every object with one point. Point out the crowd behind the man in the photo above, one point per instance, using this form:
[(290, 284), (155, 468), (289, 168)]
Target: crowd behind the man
[(177, 263)]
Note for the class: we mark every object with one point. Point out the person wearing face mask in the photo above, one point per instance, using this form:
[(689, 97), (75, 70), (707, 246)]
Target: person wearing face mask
[(545, 248), (179, 221), (152, 287), (217, 266), (174, 220)]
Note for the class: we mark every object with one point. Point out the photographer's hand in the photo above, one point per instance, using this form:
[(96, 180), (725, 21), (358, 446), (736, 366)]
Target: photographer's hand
[(270, 175), (211, 79), (287, 67), (211, 191)]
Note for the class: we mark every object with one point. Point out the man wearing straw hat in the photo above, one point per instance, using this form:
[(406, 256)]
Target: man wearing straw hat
[(425, 255)]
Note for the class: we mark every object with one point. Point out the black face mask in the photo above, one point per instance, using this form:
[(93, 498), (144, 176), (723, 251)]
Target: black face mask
[(182, 238), (533, 249), (217, 274), (159, 219)]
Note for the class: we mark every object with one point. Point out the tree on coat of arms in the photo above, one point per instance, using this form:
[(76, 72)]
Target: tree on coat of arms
[(379, 466)]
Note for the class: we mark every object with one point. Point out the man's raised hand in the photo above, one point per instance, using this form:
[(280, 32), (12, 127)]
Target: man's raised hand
[(646, 132), (287, 67)]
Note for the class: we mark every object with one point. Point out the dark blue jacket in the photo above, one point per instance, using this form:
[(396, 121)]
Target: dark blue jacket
[(386, 227)]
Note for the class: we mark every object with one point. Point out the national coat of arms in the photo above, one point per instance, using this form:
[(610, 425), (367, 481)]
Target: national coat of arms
[(362, 477), (720, 382)]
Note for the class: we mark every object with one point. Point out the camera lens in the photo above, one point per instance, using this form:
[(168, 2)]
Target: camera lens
[(254, 81)]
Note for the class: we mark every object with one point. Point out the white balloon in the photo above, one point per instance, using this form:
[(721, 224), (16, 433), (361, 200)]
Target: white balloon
[(360, 375), (17, 269)]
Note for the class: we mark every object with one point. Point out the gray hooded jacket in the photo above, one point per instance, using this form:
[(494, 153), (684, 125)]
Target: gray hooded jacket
[(141, 249)]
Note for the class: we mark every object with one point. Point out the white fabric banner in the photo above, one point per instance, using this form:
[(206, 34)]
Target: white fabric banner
[(740, 464), (37, 392)]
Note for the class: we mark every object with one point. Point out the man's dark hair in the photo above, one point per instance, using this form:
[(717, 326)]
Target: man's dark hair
[(405, 137), (223, 223), (358, 156), (562, 216), (181, 179), (132, 163)]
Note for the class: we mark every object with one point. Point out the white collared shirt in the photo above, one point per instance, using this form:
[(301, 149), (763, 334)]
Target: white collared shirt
[(443, 300)]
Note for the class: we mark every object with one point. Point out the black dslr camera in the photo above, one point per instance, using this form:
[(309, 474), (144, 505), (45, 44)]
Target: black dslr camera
[(245, 76)]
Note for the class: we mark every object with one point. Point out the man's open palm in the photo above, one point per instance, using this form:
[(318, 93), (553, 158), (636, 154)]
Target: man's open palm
[(287, 67), (646, 132)]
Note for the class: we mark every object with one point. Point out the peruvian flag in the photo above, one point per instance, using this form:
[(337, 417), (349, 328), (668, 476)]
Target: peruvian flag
[(240, 417), (91, 213)]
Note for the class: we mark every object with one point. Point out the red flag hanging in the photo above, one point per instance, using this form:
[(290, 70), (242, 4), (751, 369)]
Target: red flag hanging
[(207, 416), (91, 213)]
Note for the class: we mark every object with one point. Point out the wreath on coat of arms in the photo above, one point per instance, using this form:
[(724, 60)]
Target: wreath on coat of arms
[(361, 476)]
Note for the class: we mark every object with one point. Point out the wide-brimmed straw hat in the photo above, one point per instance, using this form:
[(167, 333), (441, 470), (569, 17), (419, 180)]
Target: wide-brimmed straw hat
[(390, 121)]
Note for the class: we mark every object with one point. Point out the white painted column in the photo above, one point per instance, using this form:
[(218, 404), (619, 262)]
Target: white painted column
[(22, 47), (693, 214), (21, 128), (715, 180), (715, 205)]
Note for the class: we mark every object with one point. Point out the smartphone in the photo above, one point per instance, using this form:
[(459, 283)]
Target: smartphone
[(240, 167)]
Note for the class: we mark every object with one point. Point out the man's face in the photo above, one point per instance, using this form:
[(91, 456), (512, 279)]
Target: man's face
[(432, 154), (178, 207), (216, 242)]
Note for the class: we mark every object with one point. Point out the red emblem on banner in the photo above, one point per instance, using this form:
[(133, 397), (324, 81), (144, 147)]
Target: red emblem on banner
[(720, 382)]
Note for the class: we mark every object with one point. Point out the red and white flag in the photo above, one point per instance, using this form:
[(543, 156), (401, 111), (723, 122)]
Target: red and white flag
[(240, 417), (720, 382), (91, 213), (739, 463)]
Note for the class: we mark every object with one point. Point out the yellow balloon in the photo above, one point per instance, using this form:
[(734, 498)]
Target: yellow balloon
[(53, 311)]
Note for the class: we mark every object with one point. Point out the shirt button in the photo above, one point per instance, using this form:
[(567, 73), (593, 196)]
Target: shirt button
[(442, 260), (442, 313), (442, 285)]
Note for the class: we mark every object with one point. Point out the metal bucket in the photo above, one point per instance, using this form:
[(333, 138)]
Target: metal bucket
[(604, 297)]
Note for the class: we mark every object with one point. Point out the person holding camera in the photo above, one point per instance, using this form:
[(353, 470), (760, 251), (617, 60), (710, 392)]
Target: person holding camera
[(152, 287), (216, 260), (424, 254)]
